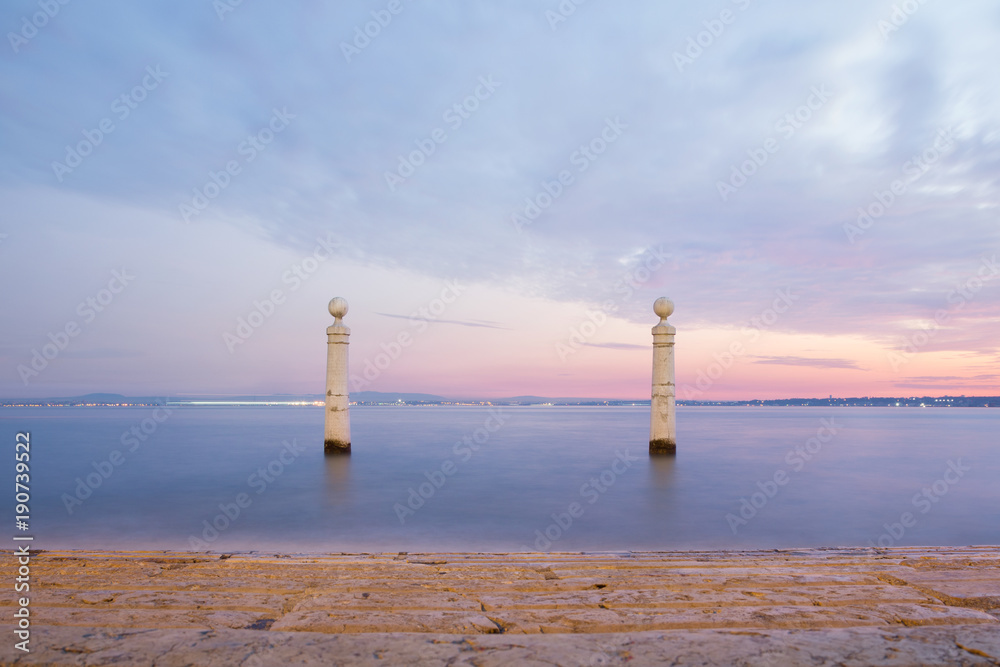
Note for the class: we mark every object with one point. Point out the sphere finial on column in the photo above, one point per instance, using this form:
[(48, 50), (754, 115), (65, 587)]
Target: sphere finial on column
[(663, 307), (338, 308)]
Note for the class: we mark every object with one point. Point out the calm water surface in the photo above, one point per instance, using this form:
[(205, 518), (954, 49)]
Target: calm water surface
[(557, 478)]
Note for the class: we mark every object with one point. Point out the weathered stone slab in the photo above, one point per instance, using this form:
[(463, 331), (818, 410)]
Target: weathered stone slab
[(389, 601), (750, 617), (974, 587), (843, 647), (205, 619), (653, 598), (383, 621), (155, 599)]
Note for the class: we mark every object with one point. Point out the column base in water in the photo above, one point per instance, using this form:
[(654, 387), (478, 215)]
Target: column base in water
[(662, 447), (336, 447)]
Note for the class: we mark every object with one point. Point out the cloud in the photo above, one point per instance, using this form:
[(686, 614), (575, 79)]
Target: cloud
[(936, 381), (961, 385), (102, 353), (804, 361), (950, 378), (619, 346), (464, 323)]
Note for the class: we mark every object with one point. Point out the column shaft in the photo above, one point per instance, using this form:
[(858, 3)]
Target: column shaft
[(662, 421), (337, 436)]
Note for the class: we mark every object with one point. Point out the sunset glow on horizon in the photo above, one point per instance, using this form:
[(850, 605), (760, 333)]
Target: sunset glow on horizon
[(816, 193)]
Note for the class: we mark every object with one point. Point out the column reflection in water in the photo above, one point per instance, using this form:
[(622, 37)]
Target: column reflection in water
[(661, 497), (338, 480), (661, 474)]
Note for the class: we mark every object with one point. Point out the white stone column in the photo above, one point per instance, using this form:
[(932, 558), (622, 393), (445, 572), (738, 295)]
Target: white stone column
[(337, 432), (662, 422)]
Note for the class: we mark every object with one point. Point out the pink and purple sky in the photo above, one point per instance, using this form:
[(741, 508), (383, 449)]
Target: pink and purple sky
[(531, 183)]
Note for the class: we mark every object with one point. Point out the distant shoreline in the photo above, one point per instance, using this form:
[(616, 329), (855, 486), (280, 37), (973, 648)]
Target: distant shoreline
[(379, 398), (973, 402)]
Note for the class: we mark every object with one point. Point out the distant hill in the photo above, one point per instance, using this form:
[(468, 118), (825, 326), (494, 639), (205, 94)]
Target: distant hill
[(557, 399), (392, 397), (96, 398)]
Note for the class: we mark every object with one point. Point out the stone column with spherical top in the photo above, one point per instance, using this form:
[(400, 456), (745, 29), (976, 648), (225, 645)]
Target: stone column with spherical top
[(337, 435), (662, 422)]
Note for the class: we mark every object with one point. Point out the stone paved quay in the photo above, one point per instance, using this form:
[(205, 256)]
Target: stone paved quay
[(901, 606)]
